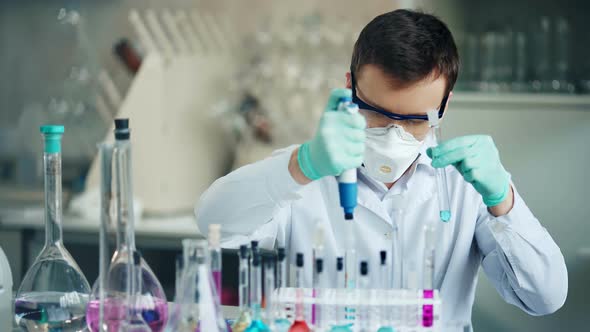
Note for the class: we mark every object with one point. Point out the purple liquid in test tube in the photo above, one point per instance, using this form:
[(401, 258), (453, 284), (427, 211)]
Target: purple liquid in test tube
[(217, 281), (427, 309)]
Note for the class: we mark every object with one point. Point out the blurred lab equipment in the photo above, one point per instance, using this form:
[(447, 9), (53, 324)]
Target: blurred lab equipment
[(5, 293), (134, 321), (196, 307), (54, 293), (171, 100), (128, 55), (117, 283), (525, 55)]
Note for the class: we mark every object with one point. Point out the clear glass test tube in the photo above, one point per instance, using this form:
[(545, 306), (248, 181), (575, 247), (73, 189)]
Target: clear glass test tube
[(384, 273), (215, 257), (441, 175)]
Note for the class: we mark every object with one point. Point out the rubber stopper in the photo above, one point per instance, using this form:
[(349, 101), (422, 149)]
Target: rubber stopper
[(256, 259), (319, 265), (281, 254), (364, 268), (52, 136), (299, 260), (339, 263), (122, 131), (243, 251), (383, 256)]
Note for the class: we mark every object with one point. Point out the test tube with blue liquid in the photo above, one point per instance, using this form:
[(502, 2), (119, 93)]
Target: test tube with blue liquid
[(441, 175)]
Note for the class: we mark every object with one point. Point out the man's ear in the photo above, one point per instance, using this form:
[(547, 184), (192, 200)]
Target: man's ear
[(348, 81), (447, 105)]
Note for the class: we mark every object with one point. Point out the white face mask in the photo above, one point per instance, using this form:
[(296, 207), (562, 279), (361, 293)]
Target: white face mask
[(389, 152)]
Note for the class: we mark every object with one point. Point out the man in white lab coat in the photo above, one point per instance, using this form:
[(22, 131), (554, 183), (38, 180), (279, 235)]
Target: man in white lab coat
[(404, 64)]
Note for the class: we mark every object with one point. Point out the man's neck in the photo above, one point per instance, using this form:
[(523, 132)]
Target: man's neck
[(389, 185)]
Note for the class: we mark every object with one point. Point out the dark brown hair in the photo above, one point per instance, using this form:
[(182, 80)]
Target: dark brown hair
[(409, 46)]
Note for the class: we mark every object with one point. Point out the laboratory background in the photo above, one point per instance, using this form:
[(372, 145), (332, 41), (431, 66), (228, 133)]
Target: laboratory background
[(211, 85)]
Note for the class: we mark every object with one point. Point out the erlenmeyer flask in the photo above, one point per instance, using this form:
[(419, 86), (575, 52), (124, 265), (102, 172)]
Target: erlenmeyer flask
[(154, 308), (197, 307), (54, 292)]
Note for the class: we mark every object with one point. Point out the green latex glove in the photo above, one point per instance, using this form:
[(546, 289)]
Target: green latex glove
[(477, 159), (339, 143)]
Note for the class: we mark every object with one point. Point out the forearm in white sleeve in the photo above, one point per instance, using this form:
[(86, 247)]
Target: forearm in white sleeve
[(248, 197), (521, 259)]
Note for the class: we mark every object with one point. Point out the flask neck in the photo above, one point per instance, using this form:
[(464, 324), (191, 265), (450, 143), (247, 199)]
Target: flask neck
[(124, 195), (53, 198)]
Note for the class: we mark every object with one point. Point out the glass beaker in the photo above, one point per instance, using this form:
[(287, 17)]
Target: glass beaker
[(153, 299), (197, 306), (54, 292)]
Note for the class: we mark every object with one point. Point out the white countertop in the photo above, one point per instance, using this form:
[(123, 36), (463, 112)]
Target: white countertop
[(32, 217)]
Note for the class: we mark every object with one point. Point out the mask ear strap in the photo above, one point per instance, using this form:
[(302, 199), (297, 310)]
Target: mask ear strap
[(443, 105)]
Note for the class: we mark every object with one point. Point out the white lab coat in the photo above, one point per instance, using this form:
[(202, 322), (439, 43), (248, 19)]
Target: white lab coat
[(262, 201)]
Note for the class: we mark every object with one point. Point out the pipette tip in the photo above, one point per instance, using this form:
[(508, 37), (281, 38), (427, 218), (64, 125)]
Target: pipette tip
[(445, 215)]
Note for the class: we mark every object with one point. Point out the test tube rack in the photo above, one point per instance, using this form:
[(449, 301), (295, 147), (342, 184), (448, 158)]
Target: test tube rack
[(407, 310)]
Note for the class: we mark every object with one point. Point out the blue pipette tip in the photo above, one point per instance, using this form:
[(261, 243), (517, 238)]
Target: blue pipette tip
[(348, 216), (445, 215)]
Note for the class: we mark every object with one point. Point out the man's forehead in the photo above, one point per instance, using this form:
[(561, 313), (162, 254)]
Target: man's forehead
[(379, 89)]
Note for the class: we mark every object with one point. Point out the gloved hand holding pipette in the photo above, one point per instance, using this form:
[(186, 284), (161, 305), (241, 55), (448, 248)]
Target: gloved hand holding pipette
[(477, 159), (339, 143)]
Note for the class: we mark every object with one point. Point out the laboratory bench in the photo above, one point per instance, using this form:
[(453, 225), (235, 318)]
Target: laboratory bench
[(22, 235)]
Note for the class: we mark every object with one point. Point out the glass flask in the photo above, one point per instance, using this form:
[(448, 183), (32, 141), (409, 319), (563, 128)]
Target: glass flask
[(197, 307), (134, 321), (154, 307), (54, 293)]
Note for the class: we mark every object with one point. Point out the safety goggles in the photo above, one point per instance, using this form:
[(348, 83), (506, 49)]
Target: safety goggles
[(394, 116)]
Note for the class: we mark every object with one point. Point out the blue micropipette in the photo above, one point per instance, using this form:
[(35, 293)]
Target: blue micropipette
[(347, 186), (441, 175)]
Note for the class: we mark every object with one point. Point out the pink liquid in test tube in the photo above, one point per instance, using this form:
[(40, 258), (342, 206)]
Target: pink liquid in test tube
[(217, 281), (427, 309)]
